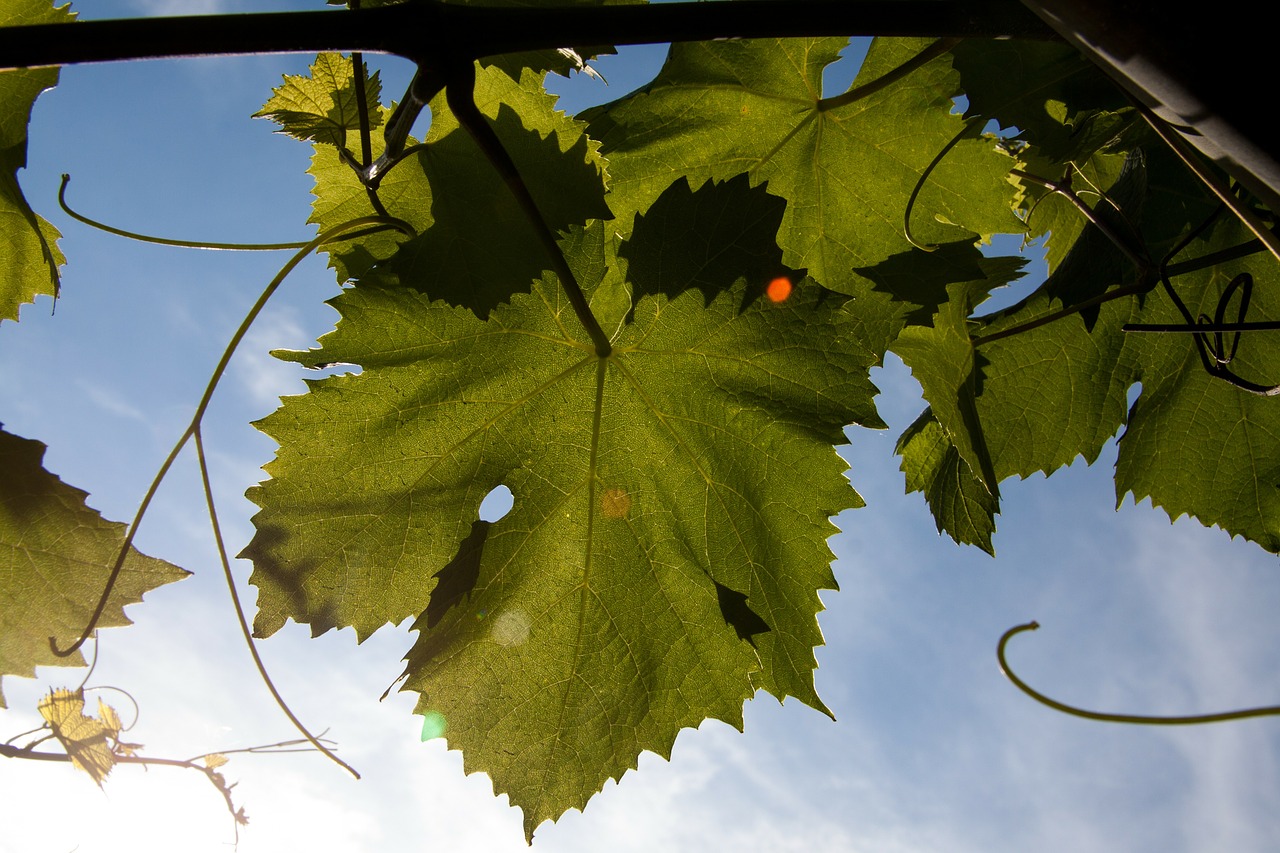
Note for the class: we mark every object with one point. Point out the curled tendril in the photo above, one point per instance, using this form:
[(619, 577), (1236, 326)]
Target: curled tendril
[(1134, 719), (971, 128), (165, 241), (342, 231), (1214, 353)]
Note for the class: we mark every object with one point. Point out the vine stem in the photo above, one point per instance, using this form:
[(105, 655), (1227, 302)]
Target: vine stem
[(1138, 256), (1209, 179), (459, 95), (244, 623), (1135, 719), (267, 293), (8, 750)]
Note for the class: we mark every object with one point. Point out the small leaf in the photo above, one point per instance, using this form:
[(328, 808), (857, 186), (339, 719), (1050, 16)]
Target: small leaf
[(323, 107), (214, 760), (84, 738), (961, 505), (110, 719)]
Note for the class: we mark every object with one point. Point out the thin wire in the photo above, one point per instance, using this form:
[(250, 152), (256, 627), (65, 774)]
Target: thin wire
[(1134, 719), (1182, 149)]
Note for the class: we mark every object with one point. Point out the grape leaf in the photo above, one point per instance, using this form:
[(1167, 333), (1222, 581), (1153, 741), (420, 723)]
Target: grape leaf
[(322, 107), (1196, 444), (662, 558), (28, 243), (1056, 98), (474, 248), (845, 165), (86, 739), (962, 505), (55, 555)]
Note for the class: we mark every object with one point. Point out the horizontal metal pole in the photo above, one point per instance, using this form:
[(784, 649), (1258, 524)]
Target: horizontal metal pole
[(429, 32)]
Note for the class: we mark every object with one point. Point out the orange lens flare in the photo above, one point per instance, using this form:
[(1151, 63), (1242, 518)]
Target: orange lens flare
[(779, 289)]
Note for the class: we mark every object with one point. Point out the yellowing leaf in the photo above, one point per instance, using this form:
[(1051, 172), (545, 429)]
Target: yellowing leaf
[(85, 739), (110, 719)]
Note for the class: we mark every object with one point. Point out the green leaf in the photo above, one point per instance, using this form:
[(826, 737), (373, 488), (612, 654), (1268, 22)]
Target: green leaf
[(28, 244), (1196, 444), (962, 506), (666, 545), (323, 107), (845, 165), (55, 555), (1058, 100), (942, 359), (475, 247)]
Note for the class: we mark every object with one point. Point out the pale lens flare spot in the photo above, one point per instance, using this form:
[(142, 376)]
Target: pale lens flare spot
[(432, 725), (779, 289), (511, 628), (615, 503)]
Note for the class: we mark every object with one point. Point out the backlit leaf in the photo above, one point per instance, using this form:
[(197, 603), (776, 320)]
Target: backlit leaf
[(55, 555), (845, 165), (85, 739), (323, 107), (666, 545), (29, 252)]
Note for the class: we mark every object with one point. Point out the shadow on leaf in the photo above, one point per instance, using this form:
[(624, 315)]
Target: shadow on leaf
[(744, 621), (459, 576), (707, 239)]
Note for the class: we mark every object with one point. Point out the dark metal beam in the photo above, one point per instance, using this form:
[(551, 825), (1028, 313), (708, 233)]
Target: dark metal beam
[(425, 31)]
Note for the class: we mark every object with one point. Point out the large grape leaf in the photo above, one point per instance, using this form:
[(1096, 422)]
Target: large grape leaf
[(666, 545), (475, 247), (29, 253), (845, 165), (55, 555)]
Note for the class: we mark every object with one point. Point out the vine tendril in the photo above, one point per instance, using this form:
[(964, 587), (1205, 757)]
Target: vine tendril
[(326, 236), (165, 241), (244, 623), (1214, 356), (1134, 719), (969, 129)]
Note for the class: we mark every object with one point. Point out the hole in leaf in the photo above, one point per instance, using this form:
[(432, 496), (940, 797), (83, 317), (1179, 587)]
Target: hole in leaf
[(496, 504), (838, 76)]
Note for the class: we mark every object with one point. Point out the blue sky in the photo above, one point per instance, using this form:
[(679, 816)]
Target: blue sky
[(932, 751)]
